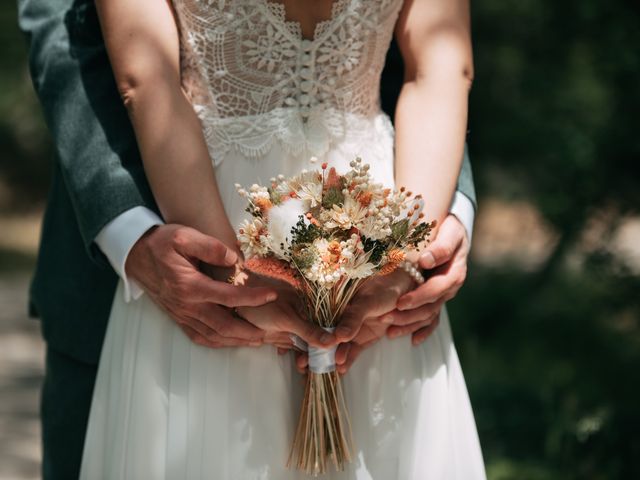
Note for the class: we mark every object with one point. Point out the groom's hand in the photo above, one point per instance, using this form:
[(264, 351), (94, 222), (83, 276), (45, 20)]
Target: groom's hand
[(165, 261)]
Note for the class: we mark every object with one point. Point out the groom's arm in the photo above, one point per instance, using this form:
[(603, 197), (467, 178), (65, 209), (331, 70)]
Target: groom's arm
[(94, 141), (101, 168)]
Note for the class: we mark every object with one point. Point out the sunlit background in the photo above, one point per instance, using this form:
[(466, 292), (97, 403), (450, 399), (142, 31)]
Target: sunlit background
[(547, 325)]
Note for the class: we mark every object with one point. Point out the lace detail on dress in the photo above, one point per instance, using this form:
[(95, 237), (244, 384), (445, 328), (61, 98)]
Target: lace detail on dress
[(253, 79)]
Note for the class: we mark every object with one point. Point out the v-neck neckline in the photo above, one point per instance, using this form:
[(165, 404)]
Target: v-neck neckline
[(337, 9)]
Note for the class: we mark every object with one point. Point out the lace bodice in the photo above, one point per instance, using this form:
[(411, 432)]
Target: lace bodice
[(254, 80)]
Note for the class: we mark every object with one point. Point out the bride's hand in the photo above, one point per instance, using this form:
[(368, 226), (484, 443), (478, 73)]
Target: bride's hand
[(378, 296), (365, 320), (284, 317)]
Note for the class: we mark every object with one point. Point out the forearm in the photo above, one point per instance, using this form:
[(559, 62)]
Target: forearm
[(143, 44), (431, 116), (431, 121), (177, 161)]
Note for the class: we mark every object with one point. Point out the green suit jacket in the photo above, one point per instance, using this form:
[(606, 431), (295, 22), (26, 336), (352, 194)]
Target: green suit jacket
[(97, 172)]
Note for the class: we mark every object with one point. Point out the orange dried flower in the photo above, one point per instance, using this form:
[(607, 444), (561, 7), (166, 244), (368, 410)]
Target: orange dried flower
[(396, 256), (273, 268), (365, 199), (334, 247), (264, 204), (388, 268)]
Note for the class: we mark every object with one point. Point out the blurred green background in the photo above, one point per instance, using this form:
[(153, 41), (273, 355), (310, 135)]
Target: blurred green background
[(547, 325)]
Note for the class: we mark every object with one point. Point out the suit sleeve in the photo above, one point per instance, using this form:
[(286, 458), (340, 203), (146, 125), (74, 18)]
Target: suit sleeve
[(94, 140)]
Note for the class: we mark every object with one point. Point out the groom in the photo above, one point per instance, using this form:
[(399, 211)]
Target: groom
[(102, 223)]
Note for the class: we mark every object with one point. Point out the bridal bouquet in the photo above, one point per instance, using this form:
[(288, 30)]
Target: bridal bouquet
[(326, 234)]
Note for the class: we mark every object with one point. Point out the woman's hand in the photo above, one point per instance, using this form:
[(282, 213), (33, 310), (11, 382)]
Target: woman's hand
[(445, 259), (365, 320), (284, 317), (378, 296)]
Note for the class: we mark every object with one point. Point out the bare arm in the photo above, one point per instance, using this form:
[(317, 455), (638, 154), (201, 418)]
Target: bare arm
[(431, 120), (143, 45), (431, 116)]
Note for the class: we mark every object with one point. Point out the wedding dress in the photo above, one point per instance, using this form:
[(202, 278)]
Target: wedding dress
[(166, 408)]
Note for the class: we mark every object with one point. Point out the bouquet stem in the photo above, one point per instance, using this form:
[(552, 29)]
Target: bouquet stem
[(323, 431)]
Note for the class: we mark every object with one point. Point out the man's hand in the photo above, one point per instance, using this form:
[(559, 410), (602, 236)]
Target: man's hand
[(165, 263)]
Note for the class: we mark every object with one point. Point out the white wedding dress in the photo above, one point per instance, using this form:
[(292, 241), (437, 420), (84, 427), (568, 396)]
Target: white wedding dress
[(164, 408)]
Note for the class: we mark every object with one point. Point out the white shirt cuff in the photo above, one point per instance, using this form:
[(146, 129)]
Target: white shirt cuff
[(117, 238), (462, 207)]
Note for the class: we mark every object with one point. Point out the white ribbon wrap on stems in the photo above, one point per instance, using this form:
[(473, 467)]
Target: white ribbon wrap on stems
[(321, 360)]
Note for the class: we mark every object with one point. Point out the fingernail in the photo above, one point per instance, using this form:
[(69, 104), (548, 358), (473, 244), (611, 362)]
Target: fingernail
[(255, 344), (404, 304), (393, 333), (230, 257), (427, 260), (388, 319), (271, 297)]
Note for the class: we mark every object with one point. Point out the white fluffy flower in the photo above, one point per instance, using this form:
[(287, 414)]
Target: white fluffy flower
[(282, 218)]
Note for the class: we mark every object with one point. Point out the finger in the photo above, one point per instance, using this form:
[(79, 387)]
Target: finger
[(350, 324), (342, 353), (203, 289), (354, 353), (212, 340), (193, 244), (278, 338), (422, 334), (226, 325), (407, 317), (432, 290), (282, 350), (302, 362), (307, 331), (442, 249), (370, 332), (396, 332)]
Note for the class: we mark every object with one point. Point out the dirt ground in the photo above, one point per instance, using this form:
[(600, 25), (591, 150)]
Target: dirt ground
[(21, 369)]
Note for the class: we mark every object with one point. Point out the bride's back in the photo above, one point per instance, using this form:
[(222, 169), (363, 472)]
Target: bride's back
[(261, 59)]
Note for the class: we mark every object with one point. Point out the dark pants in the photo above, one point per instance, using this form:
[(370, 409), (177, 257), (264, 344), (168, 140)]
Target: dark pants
[(66, 401)]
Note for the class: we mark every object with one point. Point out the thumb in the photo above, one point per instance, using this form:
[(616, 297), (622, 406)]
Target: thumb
[(192, 243), (442, 249)]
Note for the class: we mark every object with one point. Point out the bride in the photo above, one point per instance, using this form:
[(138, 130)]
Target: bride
[(237, 91)]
